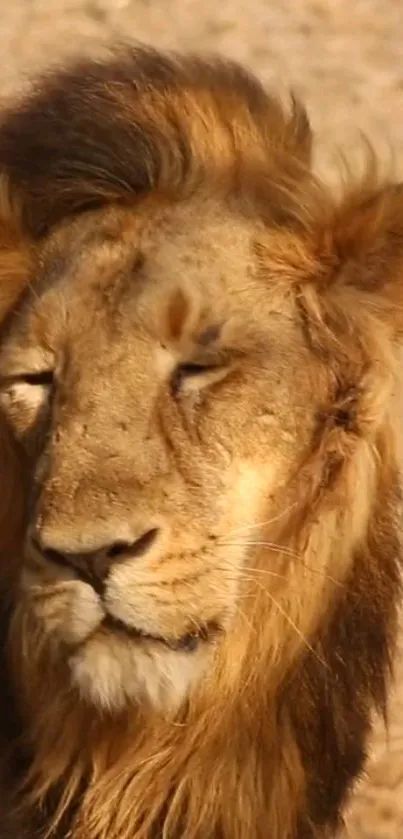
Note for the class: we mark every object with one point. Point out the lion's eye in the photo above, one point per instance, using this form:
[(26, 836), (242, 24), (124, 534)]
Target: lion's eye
[(187, 370), (192, 372), (24, 395), (43, 378)]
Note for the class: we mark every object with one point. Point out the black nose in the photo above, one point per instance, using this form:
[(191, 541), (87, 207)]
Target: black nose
[(93, 566)]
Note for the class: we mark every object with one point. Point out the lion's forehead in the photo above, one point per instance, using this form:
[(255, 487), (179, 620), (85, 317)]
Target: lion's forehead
[(109, 283)]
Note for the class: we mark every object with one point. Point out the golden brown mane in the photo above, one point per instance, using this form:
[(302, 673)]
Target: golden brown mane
[(143, 121), (272, 746)]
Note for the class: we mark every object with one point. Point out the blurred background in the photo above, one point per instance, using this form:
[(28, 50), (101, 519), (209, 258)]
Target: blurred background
[(345, 59)]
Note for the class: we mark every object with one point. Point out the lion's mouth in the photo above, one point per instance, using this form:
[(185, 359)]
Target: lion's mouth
[(188, 643)]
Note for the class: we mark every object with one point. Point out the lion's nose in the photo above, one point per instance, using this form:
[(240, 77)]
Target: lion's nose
[(94, 566)]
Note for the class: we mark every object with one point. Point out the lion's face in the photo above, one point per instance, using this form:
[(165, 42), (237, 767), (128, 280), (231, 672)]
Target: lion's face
[(160, 386)]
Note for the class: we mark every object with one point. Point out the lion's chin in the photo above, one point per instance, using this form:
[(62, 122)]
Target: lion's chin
[(114, 668), (112, 663), (189, 642)]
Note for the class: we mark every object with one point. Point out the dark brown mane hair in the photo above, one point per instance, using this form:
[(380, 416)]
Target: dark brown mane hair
[(101, 132), (281, 762)]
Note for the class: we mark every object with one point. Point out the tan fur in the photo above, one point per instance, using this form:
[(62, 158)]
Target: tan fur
[(273, 478)]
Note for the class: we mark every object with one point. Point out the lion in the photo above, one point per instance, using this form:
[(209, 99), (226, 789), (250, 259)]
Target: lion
[(201, 540)]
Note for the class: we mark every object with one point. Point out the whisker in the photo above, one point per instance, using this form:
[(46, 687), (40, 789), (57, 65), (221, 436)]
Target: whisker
[(240, 573), (291, 623), (258, 571), (32, 290), (246, 619), (282, 549), (287, 577), (261, 523)]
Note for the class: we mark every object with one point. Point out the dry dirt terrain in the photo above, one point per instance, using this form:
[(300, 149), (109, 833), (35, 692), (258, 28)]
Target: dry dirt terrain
[(345, 58)]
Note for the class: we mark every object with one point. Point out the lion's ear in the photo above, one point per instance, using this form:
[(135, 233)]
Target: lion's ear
[(364, 244)]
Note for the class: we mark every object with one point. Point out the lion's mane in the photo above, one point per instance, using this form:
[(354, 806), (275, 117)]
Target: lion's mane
[(278, 758)]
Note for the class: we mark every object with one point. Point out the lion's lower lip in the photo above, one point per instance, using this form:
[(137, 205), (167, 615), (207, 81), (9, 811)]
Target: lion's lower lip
[(186, 643)]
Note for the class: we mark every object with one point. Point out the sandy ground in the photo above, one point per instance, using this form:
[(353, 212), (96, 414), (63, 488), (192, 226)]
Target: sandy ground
[(345, 58)]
